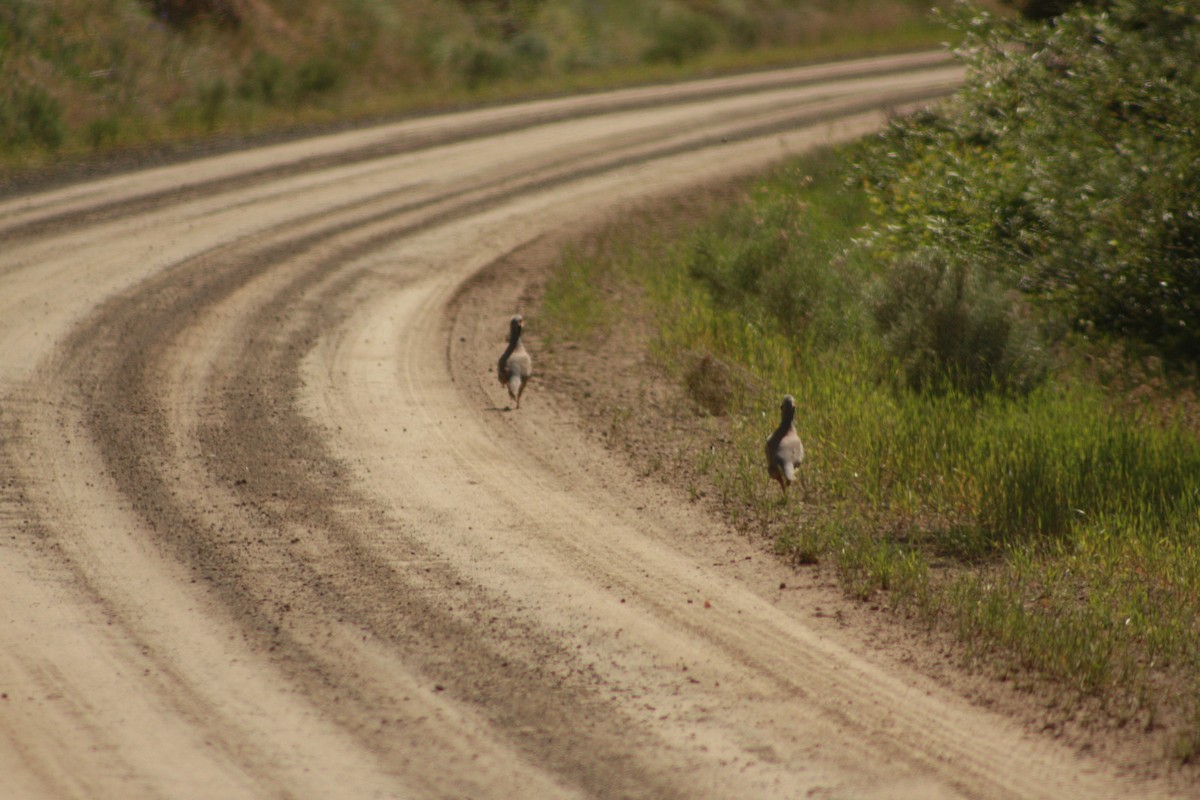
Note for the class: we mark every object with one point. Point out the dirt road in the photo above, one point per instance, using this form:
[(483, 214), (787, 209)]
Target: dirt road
[(266, 531)]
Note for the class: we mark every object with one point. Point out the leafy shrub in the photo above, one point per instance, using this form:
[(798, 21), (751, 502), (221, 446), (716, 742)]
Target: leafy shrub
[(948, 325), (1068, 160)]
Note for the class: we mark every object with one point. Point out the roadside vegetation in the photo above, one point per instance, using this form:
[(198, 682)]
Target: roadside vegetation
[(989, 318), (89, 78)]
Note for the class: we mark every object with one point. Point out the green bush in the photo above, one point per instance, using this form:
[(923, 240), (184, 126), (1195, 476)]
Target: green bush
[(950, 326), (1069, 161)]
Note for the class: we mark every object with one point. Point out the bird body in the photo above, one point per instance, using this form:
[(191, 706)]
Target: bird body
[(785, 451), (515, 366)]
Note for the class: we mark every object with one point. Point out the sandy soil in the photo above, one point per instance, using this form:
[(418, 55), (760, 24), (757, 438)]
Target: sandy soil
[(267, 529)]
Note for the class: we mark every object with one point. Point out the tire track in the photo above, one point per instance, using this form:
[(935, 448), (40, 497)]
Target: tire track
[(291, 551)]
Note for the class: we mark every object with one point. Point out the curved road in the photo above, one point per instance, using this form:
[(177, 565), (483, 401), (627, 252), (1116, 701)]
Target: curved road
[(264, 534)]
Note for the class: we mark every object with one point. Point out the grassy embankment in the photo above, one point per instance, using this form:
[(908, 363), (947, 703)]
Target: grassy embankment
[(996, 381), (87, 78)]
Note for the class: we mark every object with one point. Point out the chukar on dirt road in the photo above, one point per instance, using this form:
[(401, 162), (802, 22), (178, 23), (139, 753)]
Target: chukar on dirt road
[(785, 451), (515, 367)]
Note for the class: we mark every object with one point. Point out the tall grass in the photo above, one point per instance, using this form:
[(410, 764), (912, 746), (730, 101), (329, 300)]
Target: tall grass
[(1071, 523)]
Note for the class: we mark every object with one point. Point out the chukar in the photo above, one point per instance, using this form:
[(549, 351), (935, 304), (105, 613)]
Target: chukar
[(515, 367), (785, 451)]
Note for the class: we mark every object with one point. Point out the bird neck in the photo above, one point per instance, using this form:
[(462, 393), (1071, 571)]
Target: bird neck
[(787, 419)]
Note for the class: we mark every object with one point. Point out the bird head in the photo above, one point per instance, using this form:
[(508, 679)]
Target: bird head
[(787, 410)]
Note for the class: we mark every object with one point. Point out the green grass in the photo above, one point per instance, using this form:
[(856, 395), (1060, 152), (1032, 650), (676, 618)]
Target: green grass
[(88, 78), (1064, 524)]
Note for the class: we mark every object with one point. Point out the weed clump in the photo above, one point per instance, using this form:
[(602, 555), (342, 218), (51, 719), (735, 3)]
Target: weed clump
[(716, 386), (29, 115), (263, 79), (680, 37), (317, 76), (948, 325)]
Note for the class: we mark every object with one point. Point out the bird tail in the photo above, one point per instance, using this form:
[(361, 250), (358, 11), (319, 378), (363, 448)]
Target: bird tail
[(789, 471), (514, 384)]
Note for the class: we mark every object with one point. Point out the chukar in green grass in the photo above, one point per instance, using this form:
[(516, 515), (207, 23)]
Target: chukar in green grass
[(515, 367), (785, 451)]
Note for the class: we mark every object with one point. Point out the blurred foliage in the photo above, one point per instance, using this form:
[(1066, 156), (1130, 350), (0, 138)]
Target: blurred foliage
[(80, 75), (1067, 166), (30, 116), (680, 36), (182, 13), (1045, 9)]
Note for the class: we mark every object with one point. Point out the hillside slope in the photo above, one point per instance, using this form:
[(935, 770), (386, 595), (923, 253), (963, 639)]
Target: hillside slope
[(82, 76)]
